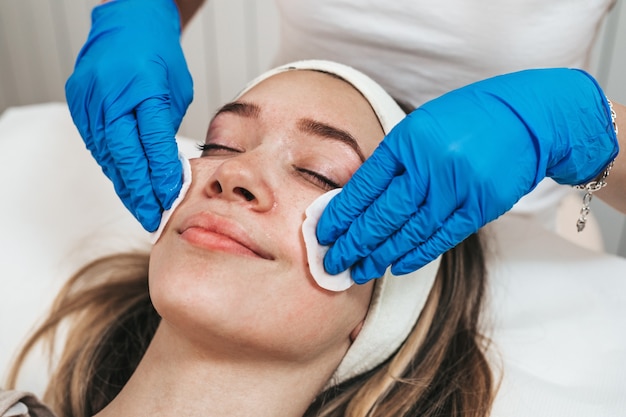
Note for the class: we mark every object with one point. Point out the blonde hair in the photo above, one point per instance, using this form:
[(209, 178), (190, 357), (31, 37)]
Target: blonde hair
[(108, 320), (440, 370)]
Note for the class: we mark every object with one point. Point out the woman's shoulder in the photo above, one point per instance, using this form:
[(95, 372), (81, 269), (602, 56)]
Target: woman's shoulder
[(22, 404)]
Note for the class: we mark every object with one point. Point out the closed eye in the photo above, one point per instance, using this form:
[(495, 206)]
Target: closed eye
[(318, 179), (216, 149)]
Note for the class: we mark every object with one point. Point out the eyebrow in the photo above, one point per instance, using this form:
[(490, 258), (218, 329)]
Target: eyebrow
[(326, 131), (306, 125), (248, 110)]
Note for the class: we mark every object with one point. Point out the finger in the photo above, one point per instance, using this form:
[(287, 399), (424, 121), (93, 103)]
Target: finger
[(149, 220), (113, 174), (129, 158), (365, 186), (413, 233), (156, 133), (454, 230), (385, 216)]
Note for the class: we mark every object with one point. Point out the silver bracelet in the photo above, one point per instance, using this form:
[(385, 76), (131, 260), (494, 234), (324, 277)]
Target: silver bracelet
[(596, 184)]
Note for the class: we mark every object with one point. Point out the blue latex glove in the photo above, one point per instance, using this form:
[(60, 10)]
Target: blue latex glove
[(128, 94), (462, 160)]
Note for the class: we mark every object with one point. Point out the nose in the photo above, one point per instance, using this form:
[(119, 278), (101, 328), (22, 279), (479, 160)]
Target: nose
[(240, 179)]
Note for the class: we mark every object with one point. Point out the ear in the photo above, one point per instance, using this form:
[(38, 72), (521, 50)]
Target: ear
[(355, 332)]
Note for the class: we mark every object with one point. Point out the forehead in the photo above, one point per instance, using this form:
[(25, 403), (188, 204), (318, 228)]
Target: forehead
[(320, 96)]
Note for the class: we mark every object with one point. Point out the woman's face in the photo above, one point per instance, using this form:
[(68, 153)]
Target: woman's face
[(230, 269)]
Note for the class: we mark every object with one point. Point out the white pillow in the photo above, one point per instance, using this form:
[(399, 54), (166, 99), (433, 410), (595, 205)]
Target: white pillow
[(55, 200)]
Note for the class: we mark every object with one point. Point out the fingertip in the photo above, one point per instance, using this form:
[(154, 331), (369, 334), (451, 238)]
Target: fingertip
[(147, 209), (343, 254), (331, 265), (328, 226), (149, 222), (400, 269), (359, 276), (369, 268), (323, 232)]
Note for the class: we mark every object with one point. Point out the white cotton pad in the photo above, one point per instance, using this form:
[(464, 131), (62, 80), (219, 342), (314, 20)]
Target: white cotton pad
[(315, 252), (154, 236)]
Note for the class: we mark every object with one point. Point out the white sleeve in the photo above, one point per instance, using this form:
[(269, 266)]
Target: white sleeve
[(22, 404)]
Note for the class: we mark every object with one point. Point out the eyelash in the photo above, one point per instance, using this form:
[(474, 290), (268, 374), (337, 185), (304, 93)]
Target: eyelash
[(314, 177), (319, 179), (205, 147)]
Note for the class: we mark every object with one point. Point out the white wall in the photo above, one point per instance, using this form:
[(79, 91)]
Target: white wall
[(610, 70), (226, 44)]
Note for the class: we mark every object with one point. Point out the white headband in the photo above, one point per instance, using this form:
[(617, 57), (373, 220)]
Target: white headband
[(396, 301)]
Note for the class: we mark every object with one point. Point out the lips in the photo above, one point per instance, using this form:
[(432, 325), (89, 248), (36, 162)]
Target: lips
[(215, 233)]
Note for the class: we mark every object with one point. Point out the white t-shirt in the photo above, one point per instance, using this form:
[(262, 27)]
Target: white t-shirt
[(421, 49)]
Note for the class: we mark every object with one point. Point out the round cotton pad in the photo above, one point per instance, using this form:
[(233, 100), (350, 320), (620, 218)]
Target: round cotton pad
[(315, 252)]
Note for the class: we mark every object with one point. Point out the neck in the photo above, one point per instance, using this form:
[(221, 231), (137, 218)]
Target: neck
[(176, 378)]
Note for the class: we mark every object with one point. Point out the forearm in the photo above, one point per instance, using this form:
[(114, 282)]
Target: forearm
[(614, 193), (188, 9)]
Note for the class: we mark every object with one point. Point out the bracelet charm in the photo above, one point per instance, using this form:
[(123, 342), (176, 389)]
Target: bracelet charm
[(595, 185)]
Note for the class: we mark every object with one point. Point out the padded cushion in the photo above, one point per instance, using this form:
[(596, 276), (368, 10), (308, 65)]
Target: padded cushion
[(58, 211)]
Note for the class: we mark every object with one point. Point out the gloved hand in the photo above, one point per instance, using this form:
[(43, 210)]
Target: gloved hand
[(127, 96), (462, 160)]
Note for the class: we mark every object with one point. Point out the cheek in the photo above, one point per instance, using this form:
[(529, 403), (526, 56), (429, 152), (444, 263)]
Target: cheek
[(320, 318), (293, 200), (323, 321)]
